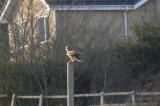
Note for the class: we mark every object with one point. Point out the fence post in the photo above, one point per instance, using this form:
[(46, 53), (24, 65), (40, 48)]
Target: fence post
[(102, 99), (13, 101), (133, 97), (40, 100), (70, 84)]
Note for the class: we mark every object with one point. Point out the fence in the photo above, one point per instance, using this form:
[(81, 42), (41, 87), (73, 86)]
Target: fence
[(4, 99), (131, 94)]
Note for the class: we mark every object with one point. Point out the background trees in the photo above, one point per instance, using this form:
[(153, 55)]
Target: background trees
[(124, 64), (129, 62)]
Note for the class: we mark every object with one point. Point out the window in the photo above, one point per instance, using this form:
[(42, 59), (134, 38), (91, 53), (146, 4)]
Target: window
[(42, 28), (21, 38)]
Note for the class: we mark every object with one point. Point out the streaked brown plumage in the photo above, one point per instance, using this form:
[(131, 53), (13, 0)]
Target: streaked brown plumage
[(73, 55)]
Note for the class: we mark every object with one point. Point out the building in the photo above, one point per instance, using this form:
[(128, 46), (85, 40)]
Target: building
[(84, 24), (29, 27), (90, 24)]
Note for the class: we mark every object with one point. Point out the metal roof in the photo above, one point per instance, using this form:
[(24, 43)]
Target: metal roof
[(92, 2)]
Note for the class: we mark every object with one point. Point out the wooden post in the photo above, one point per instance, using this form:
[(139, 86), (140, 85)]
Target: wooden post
[(40, 100), (102, 99), (13, 101), (70, 84), (133, 97)]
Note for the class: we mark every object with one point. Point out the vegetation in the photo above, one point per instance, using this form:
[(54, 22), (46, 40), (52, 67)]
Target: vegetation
[(140, 57), (132, 61), (129, 64)]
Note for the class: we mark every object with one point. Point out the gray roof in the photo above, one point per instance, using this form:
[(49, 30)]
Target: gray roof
[(92, 2)]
